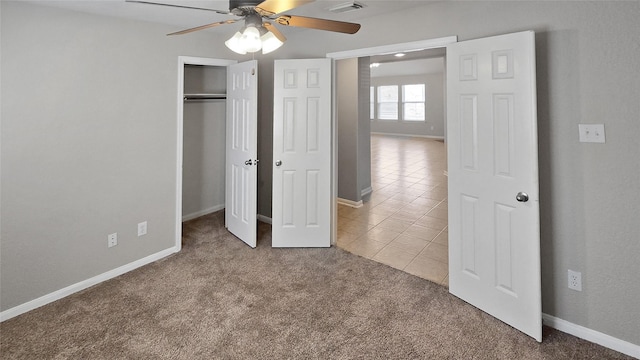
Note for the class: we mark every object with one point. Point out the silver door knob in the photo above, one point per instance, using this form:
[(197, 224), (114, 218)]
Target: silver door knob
[(278, 163), (248, 162), (522, 197)]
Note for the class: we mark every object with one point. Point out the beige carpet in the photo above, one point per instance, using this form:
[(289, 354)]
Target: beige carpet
[(220, 299)]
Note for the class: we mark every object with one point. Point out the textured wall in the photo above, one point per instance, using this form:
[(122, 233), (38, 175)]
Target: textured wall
[(347, 122), (352, 118), (88, 144), (364, 126)]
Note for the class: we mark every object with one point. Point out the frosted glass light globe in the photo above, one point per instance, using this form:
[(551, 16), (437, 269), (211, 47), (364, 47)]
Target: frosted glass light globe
[(251, 39)]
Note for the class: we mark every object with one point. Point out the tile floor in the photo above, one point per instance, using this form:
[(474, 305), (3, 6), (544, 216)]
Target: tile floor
[(404, 223)]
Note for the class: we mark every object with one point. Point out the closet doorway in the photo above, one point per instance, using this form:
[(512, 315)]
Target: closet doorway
[(201, 138)]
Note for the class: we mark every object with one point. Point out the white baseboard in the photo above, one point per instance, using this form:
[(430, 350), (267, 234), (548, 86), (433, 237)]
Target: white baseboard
[(264, 219), (353, 204), (593, 336), (71, 289), (410, 135), (366, 191), (197, 214)]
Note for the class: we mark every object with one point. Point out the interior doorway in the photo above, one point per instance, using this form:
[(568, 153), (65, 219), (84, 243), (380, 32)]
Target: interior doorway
[(200, 100), (404, 222), (204, 113)]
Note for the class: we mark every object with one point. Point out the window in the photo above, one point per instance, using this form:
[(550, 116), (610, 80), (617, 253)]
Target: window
[(413, 102), (385, 103), (372, 103), (388, 102)]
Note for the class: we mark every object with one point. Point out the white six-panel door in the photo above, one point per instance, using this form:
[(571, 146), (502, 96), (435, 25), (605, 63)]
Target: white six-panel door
[(494, 237), (242, 149), (302, 153)]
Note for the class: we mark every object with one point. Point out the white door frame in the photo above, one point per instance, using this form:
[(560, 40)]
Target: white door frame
[(370, 51), (182, 61)]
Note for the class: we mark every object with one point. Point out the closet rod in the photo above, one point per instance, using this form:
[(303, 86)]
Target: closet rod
[(188, 97)]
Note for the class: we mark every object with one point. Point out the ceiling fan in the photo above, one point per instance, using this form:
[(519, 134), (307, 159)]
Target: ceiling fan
[(259, 32)]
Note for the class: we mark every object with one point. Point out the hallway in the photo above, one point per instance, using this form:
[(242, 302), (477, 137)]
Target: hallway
[(404, 223)]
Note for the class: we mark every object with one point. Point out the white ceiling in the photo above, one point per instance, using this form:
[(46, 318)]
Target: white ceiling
[(409, 67), (429, 61), (183, 18), (187, 18)]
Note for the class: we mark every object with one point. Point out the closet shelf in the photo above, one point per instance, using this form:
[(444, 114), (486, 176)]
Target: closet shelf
[(190, 97)]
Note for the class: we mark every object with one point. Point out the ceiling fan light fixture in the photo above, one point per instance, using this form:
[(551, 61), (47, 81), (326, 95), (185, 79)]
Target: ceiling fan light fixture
[(248, 40), (251, 39), (235, 44), (270, 42)]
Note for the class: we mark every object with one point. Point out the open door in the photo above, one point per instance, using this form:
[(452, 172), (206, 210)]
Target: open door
[(494, 232), (242, 150), (301, 215)]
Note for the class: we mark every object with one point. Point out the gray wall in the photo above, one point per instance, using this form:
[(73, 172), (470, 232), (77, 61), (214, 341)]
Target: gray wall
[(364, 127), (433, 126), (88, 144), (587, 72), (203, 167), (347, 121), (352, 118)]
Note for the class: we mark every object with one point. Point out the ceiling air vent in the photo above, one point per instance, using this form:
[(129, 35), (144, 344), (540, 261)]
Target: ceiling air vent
[(350, 6)]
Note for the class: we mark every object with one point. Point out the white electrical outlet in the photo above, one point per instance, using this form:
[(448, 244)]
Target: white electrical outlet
[(591, 133), (112, 240), (575, 280), (142, 228)]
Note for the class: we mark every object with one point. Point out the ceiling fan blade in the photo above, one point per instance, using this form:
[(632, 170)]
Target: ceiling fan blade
[(275, 31), (208, 26), (320, 24), (224, 12), (272, 7)]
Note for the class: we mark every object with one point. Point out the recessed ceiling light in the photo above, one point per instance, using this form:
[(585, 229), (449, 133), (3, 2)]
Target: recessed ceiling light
[(374, 65), (399, 55)]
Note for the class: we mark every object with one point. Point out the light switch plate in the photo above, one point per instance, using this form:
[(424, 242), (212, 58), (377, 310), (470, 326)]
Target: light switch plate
[(112, 240), (142, 228), (591, 133)]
